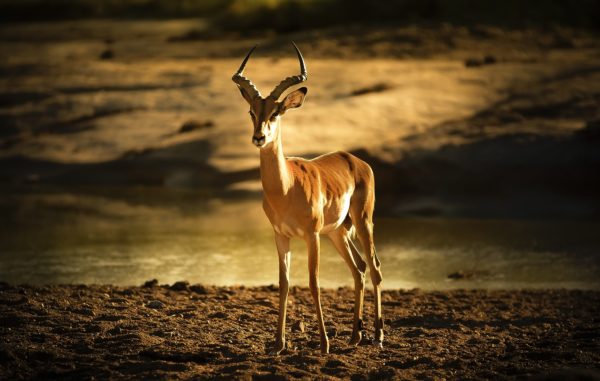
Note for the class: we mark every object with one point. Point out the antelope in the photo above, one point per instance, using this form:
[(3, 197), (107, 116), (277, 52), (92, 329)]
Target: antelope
[(333, 194)]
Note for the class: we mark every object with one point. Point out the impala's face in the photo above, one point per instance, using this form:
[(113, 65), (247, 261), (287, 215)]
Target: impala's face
[(266, 114), (265, 119)]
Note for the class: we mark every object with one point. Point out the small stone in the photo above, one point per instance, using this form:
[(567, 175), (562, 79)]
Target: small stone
[(199, 289), (489, 59), (219, 315), (116, 331), (180, 286), (298, 326), (460, 275), (92, 328), (156, 304), (192, 125), (473, 62), (107, 54), (150, 283), (85, 311)]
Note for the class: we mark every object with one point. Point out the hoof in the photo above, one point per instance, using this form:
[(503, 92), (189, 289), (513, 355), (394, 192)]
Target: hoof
[(325, 348), (355, 339), (277, 350), (378, 344)]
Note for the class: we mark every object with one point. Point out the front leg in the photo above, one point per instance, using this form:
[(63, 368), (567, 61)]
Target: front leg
[(283, 251), (313, 243)]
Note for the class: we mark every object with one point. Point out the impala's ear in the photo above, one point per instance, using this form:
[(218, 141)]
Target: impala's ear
[(293, 100)]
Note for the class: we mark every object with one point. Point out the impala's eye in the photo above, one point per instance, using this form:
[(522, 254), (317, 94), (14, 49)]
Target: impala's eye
[(251, 114), (274, 117)]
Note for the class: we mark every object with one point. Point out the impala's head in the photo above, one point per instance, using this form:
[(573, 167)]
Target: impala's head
[(266, 112)]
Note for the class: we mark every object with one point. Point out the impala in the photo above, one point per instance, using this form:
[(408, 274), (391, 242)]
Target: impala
[(333, 194)]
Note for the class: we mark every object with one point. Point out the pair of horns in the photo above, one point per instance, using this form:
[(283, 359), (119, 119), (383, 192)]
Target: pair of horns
[(249, 87)]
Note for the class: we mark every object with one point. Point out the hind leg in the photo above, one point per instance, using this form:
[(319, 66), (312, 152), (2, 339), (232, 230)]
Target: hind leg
[(342, 243), (361, 212)]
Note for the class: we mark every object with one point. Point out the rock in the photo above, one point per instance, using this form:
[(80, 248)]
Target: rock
[(150, 283), (115, 331), (199, 289), (156, 304), (376, 88), (460, 275), (107, 54), (473, 62), (489, 59), (180, 286), (92, 328), (193, 125), (298, 326), (85, 311)]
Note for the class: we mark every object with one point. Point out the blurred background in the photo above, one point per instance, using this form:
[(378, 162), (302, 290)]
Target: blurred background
[(125, 149)]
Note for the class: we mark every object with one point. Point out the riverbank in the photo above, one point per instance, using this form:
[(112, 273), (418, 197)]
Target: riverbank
[(205, 332)]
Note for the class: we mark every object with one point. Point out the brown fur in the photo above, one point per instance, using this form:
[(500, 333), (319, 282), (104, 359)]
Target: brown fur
[(330, 194)]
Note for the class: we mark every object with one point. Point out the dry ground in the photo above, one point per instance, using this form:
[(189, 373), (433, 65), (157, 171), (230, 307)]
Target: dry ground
[(181, 332)]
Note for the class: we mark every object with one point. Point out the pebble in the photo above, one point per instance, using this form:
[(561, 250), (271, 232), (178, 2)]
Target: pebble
[(298, 326), (199, 289), (151, 283), (155, 304), (180, 286)]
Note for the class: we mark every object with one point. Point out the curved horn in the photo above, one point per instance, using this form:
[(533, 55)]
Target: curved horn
[(293, 80), (244, 82)]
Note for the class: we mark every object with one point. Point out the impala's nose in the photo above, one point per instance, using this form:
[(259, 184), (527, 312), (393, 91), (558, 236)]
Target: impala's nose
[(258, 141)]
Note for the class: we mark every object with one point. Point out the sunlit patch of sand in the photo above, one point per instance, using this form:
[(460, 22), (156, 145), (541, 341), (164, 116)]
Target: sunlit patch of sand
[(63, 103)]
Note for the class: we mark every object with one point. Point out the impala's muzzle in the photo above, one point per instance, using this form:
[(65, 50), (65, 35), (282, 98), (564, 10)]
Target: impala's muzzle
[(259, 140)]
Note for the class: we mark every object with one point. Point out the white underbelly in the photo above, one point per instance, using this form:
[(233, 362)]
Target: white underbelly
[(341, 214), (287, 230)]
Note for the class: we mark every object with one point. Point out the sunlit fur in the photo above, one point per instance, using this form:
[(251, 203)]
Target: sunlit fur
[(332, 194)]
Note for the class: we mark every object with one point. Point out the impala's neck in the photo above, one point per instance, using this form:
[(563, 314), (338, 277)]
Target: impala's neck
[(274, 172)]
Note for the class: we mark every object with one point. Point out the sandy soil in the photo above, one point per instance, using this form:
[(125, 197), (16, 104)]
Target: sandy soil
[(182, 331), (455, 120)]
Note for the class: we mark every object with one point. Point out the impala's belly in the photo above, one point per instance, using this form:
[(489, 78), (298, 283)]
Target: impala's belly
[(335, 213), (288, 230), (325, 218), (283, 222)]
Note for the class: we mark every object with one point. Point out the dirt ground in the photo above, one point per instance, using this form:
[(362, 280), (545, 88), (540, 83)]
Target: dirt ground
[(180, 331)]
